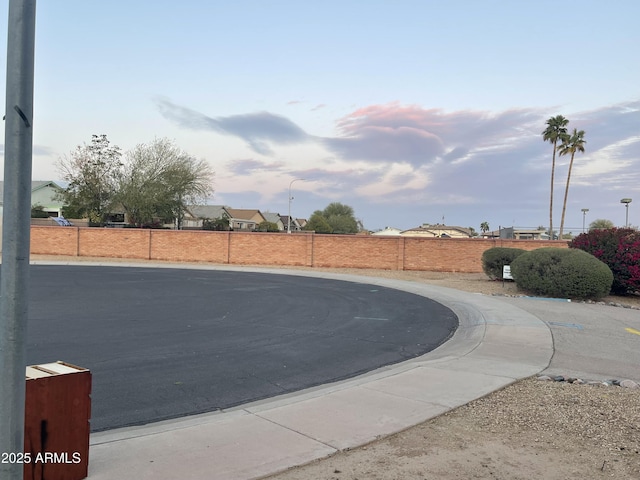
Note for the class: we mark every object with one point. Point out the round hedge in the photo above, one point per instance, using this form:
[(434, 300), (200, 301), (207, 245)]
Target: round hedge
[(495, 258), (560, 272)]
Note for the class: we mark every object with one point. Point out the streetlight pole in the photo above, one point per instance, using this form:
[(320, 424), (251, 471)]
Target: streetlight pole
[(626, 202), (14, 283), (584, 216), (291, 198)]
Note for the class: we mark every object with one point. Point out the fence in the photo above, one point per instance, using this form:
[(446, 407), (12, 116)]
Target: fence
[(253, 248)]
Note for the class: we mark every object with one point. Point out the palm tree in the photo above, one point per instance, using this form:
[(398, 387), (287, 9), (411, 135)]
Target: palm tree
[(556, 130), (570, 144), (484, 227)]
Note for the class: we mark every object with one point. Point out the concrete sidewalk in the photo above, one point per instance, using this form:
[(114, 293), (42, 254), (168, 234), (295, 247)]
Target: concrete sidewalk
[(496, 344)]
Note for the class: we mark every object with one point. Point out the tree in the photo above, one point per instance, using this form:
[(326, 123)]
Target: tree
[(556, 130), (600, 224), (335, 218), (341, 218), (570, 144), (484, 227), (92, 173), (317, 223), (472, 232), (160, 180)]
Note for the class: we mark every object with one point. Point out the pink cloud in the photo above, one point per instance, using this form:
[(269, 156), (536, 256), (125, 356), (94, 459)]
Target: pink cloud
[(414, 134)]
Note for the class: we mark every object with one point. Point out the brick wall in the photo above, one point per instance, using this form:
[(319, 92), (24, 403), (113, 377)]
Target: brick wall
[(189, 246), (244, 248)]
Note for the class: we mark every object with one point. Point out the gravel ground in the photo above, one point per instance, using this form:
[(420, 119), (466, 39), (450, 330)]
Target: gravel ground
[(530, 429)]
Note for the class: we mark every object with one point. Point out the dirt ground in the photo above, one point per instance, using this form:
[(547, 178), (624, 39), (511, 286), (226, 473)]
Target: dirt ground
[(531, 429)]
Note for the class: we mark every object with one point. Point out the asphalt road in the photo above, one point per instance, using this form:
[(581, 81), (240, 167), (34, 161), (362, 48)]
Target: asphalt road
[(164, 343)]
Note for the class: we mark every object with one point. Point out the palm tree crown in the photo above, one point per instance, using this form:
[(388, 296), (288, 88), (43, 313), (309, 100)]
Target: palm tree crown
[(556, 130), (570, 144)]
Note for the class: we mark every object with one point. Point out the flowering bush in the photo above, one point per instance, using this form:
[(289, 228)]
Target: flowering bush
[(619, 248)]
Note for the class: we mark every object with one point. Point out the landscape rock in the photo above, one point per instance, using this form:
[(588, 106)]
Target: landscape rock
[(629, 384)]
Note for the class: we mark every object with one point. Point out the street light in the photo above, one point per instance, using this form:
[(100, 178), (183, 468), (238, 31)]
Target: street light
[(626, 202), (291, 198), (584, 215)]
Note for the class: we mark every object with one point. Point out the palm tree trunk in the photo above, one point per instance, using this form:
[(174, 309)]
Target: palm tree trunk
[(553, 170), (566, 195)]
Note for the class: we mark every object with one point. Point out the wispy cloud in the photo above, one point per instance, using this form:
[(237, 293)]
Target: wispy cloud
[(259, 130), (250, 166)]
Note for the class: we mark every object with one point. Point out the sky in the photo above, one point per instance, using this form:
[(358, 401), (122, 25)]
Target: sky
[(411, 112)]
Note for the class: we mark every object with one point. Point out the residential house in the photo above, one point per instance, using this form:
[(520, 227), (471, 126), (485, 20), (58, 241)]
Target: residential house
[(437, 231), (274, 218), (295, 225), (239, 218), (44, 194), (245, 219), (197, 214)]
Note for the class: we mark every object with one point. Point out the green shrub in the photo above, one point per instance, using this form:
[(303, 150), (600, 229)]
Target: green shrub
[(565, 273), (267, 227), (37, 211), (497, 257)]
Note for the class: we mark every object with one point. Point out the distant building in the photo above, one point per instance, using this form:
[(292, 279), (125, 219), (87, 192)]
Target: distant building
[(276, 219), (44, 193), (295, 225), (512, 233), (239, 219), (245, 219), (197, 214), (437, 231)]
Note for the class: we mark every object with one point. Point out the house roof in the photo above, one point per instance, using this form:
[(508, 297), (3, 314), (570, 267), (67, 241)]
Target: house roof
[(285, 220), (244, 213), (35, 185), (271, 217), (437, 230), (208, 211)]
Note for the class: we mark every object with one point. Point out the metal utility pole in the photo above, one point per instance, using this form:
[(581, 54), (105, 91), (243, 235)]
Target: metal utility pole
[(584, 217), (14, 282), (291, 198), (626, 202)]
